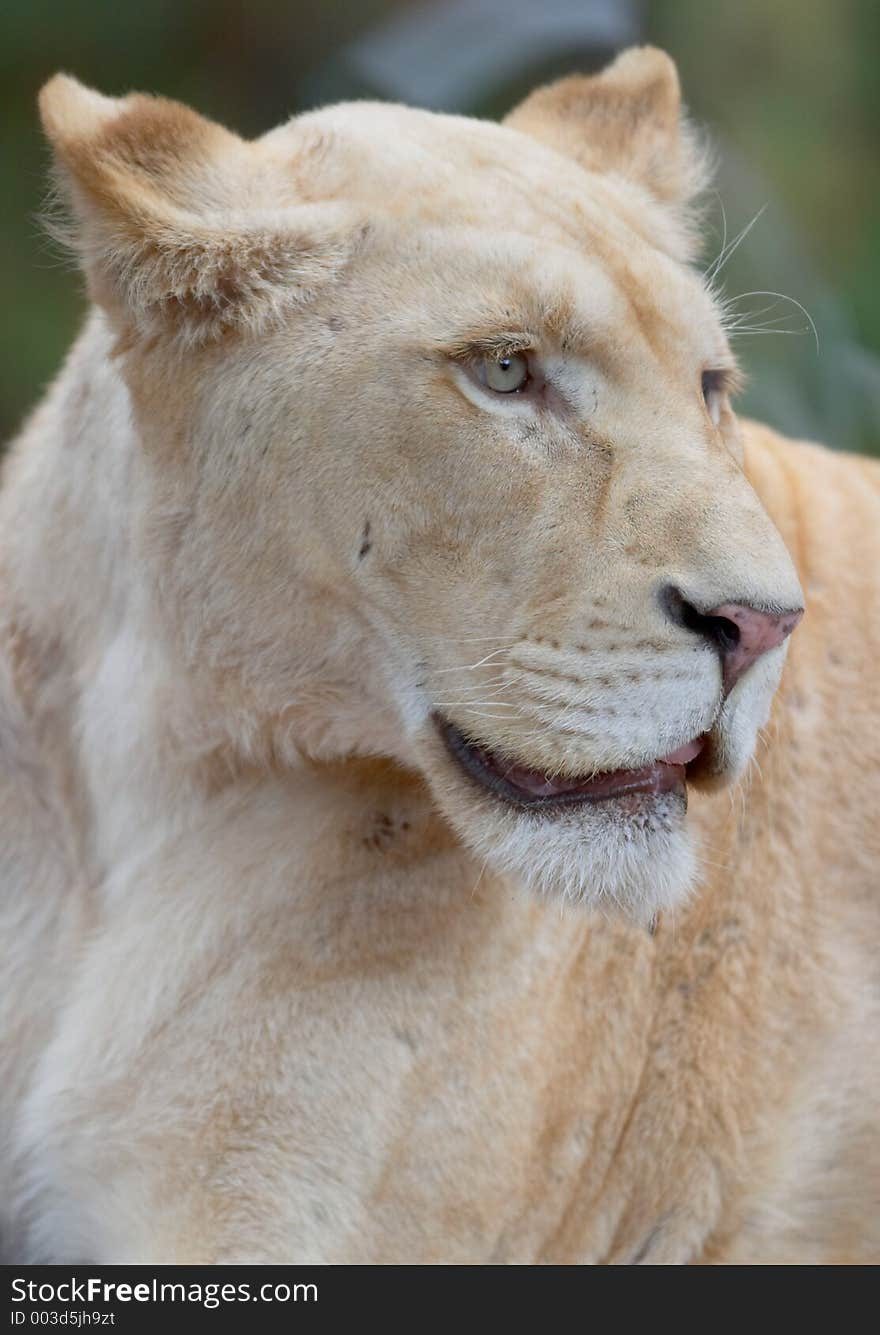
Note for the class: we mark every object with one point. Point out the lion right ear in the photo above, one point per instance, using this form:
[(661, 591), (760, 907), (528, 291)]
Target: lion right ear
[(158, 223), (626, 120)]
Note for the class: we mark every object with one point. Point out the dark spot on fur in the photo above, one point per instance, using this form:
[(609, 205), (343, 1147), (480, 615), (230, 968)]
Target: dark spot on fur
[(383, 833), (366, 543)]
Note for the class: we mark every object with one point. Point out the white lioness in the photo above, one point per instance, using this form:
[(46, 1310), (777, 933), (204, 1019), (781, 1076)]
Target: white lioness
[(375, 580)]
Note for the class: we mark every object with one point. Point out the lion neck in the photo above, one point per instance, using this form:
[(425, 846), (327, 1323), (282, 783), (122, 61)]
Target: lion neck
[(125, 724)]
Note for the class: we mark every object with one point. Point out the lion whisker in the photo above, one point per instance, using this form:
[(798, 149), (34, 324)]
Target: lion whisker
[(471, 667), (782, 296), (471, 706), (730, 249), (483, 714)]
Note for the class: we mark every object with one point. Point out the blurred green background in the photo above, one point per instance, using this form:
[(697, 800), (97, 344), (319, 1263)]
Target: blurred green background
[(788, 91)]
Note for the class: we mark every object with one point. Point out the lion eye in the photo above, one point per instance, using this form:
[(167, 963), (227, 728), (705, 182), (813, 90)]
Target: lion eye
[(505, 375), (713, 392)]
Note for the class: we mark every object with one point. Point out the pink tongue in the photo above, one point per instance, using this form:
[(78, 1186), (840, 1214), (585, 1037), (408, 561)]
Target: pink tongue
[(539, 785), (684, 754)]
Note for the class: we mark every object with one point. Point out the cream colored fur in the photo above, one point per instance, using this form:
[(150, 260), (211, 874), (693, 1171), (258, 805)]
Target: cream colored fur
[(278, 982)]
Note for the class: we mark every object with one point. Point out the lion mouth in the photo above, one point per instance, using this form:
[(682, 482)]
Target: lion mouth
[(527, 787)]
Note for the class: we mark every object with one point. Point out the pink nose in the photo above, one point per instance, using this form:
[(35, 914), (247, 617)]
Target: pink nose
[(747, 634), (739, 633)]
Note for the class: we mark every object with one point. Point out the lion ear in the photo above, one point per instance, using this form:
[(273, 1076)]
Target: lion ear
[(155, 195), (627, 120)]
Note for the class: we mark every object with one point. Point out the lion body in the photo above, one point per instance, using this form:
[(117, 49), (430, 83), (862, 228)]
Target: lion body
[(260, 997)]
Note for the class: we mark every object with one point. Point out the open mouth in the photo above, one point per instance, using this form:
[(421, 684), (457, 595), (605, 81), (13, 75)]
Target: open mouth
[(533, 788)]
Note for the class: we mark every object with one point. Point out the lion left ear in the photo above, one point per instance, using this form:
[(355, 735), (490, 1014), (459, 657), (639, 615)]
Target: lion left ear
[(625, 120), (179, 225)]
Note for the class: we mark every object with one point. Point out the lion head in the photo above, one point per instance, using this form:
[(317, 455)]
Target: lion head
[(435, 458)]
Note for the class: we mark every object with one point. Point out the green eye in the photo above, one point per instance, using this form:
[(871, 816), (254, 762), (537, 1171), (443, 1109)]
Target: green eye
[(505, 375)]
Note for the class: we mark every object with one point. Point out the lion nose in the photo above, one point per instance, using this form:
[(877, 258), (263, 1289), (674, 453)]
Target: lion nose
[(740, 633)]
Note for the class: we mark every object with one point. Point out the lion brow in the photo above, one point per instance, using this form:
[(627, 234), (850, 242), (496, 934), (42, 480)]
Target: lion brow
[(494, 343)]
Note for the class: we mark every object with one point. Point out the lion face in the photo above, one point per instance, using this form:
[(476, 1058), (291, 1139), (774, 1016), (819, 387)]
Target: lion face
[(442, 467)]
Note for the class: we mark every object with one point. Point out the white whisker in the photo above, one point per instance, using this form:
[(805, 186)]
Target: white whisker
[(471, 667), (501, 718), (728, 250), (783, 297), (479, 878), (473, 704)]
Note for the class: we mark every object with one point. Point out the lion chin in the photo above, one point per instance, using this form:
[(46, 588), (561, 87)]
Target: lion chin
[(616, 841), (630, 856)]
